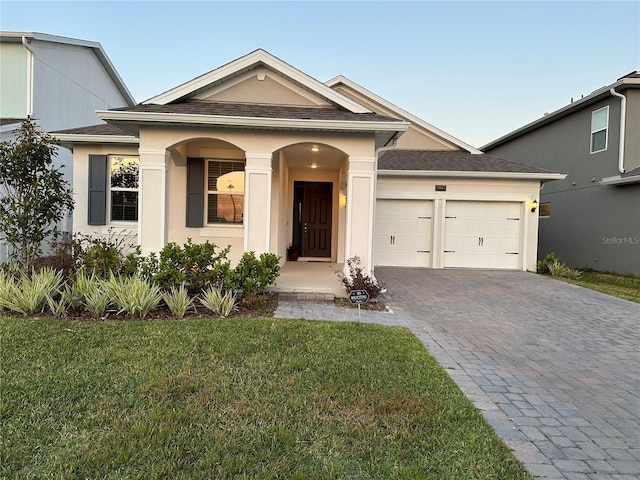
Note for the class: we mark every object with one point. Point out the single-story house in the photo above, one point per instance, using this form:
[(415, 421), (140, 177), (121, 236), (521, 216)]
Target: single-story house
[(260, 156)]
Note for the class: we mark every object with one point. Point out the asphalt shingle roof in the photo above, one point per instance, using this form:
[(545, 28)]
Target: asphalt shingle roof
[(257, 111), (450, 161), (101, 129)]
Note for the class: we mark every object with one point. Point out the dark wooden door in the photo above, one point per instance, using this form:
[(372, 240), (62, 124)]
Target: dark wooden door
[(316, 220)]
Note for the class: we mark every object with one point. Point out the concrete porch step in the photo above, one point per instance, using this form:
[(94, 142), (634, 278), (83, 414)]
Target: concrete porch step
[(306, 297)]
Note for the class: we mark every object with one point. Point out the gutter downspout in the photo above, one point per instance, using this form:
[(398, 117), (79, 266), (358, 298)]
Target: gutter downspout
[(30, 66), (623, 121)]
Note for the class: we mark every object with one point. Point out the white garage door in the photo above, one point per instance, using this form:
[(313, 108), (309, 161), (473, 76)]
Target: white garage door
[(482, 235), (403, 233)]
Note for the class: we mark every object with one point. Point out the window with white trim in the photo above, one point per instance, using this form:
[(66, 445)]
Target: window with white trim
[(123, 183), (225, 192), (599, 129)]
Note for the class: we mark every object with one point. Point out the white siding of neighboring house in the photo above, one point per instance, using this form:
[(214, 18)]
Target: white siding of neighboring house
[(68, 84)]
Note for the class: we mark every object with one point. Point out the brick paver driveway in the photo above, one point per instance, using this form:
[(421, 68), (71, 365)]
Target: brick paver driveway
[(554, 367)]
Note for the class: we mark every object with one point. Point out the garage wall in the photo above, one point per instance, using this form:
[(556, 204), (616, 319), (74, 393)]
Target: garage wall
[(522, 192)]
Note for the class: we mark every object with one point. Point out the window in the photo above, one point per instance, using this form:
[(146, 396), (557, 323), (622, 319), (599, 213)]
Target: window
[(545, 209), (225, 191), (124, 187), (599, 127)]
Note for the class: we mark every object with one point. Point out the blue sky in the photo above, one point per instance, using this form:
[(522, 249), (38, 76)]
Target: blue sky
[(475, 69)]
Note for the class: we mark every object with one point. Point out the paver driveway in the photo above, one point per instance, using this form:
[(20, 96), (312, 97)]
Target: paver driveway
[(554, 367)]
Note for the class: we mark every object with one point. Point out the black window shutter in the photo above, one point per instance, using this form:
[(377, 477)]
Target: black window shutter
[(97, 189), (195, 192)]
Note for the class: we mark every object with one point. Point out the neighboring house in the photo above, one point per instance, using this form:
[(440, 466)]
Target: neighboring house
[(59, 83), (592, 218), (258, 155)]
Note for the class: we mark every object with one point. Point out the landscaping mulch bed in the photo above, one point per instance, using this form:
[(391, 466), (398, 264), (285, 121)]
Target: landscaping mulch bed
[(264, 305)]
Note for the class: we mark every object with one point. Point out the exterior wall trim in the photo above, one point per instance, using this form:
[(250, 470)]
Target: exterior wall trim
[(252, 122), (444, 173)]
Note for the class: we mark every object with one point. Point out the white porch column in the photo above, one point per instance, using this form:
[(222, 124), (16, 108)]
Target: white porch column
[(360, 210), (257, 203), (152, 198)]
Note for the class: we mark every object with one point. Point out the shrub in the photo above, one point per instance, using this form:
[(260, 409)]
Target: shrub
[(134, 296), (543, 265), (559, 269), (58, 306), (102, 256), (194, 265), (252, 275), (6, 288), (61, 258), (76, 290), (96, 300), (217, 302), (178, 300), (29, 295), (356, 279)]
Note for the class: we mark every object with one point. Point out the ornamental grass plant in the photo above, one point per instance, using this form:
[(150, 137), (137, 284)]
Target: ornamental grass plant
[(178, 300)]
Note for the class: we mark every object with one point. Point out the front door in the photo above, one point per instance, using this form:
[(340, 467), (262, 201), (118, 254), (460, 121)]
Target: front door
[(316, 218)]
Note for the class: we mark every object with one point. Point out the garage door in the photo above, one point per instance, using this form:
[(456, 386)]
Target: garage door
[(403, 233), (482, 235)]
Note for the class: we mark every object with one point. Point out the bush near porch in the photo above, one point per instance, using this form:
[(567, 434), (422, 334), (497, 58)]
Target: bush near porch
[(260, 398), (98, 277)]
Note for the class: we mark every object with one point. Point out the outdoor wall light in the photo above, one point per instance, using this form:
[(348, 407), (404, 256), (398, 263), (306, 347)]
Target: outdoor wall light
[(534, 206)]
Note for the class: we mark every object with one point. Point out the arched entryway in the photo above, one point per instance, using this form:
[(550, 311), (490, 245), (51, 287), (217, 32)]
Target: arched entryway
[(313, 185)]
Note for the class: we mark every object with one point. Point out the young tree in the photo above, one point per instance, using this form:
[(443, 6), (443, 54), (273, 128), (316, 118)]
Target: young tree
[(33, 193)]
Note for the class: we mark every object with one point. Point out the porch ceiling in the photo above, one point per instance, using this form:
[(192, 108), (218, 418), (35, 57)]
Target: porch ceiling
[(301, 156)]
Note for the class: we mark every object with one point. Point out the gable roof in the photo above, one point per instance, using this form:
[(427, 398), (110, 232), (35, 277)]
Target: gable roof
[(334, 82), (459, 164), (248, 62), (22, 37), (631, 80)]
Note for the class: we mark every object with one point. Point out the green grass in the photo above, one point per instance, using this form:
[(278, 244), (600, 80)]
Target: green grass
[(622, 286), (238, 398)]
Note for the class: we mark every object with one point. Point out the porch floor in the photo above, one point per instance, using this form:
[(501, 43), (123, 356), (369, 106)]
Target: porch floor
[(310, 277)]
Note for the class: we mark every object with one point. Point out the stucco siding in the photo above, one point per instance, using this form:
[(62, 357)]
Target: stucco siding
[(81, 193), (263, 86), (595, 228), (583, 212), (632, 135), (489, 190)]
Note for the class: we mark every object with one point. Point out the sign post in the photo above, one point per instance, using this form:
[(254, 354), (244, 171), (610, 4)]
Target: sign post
[(358, 297)]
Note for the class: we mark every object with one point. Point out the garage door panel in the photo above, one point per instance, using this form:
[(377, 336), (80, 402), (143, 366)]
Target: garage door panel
[(403, 233), (482, 234)]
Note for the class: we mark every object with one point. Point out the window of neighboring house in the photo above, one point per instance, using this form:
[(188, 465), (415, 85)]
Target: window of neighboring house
[(124, 187), (545, 209), (599, 128), (225, 191)]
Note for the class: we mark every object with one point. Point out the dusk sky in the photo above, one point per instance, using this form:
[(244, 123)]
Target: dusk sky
[(476, 70)]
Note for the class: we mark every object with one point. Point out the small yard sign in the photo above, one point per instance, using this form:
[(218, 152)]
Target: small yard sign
[(358, 296)]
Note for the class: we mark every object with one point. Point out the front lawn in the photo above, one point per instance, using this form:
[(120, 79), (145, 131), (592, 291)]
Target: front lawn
[(235, 398), (622, 286)]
